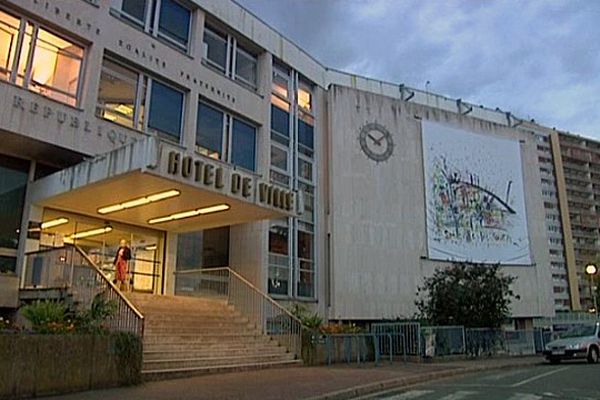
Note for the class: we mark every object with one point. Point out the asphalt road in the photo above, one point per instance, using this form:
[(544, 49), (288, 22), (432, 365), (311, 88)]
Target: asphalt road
[(566, 381)]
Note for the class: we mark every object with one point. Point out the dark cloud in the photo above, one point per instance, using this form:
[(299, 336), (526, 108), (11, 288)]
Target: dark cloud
[(539, 58)]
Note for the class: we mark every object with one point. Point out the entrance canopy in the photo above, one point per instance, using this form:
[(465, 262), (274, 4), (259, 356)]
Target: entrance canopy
[(156, 184)]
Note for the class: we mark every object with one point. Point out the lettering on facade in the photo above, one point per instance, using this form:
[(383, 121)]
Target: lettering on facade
[(64, 118), (208, 175), (142, 54), (208, 88), (75, 20)]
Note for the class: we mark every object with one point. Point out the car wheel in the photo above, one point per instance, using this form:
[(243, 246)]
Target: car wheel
[(554, 360), (592, 357)]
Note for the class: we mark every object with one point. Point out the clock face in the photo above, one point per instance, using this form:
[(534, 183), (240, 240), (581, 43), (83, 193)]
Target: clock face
[(376, 141)]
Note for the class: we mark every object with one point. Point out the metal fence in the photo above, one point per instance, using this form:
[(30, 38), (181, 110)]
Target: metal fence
[(69, 268), (405, 337), (410, 338), (263, 312), (357, 347)]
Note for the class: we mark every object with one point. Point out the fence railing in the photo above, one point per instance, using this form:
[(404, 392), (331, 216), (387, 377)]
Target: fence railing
[(410, 338), (264, 313), (69, 268), (358, 347)]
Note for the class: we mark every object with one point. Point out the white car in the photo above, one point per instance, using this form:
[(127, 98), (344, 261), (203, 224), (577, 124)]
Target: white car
[(581, 342)]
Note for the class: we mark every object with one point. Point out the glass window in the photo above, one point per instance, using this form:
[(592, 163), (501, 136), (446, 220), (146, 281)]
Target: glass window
[(216, 49), (305, 170), (280, 85), (279, 270), (209, 131), (245, 67), (7, 264), (203, 249), (174, 21), (279, 178), (243, 143), (279, 158), (309, 201), (135, 9), (304, 98), (305, 258), (306, 133), (9, 31), (117, 94), (166, 109), (280, 125), (13, 179)]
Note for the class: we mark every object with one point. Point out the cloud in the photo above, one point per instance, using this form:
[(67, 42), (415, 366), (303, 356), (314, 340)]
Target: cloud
[(538, 59)]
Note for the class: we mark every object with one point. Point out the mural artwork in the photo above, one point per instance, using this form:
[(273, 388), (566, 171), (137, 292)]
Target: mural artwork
[(474, 194)]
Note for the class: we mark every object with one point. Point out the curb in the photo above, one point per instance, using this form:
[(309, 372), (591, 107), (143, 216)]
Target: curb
[(398, 383)]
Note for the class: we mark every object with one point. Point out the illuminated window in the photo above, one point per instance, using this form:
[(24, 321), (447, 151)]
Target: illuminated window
[(39, 60), (124, 96), (304, 98), (117, 94), (225, 53), (9, 32)]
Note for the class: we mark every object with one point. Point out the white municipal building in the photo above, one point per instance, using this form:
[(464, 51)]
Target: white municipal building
[(205, 138)]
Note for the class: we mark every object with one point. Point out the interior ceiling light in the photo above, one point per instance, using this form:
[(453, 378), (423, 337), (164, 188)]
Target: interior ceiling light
[(54, 222), (140, 201), (190, 213), (91, 232), (150, 247)]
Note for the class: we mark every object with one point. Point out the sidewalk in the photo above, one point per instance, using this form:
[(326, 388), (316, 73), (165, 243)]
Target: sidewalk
[(333, 382)]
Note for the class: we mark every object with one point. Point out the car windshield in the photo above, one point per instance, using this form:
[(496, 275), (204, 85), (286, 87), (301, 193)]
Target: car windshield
[(583, 330)]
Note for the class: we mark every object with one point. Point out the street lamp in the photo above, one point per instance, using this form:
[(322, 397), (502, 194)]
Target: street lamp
[(592, 270)]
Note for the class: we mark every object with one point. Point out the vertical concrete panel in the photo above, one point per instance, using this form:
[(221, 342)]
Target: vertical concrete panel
[(248, 251)]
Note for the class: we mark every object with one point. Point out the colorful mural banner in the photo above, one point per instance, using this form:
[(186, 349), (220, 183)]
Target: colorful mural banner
[(474, 197)]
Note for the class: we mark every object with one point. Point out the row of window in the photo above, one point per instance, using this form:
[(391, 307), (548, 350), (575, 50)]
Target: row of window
[(140, 101), (171, 21)]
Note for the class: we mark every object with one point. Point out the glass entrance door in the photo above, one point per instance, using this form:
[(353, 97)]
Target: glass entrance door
[(100, 240)]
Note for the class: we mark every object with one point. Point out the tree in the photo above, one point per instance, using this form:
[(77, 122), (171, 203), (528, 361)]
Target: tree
[(473, 295)]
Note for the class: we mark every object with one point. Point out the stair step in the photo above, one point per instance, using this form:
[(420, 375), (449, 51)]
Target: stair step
[(173, 373), (215, 345), (210, 361), (214, 353)]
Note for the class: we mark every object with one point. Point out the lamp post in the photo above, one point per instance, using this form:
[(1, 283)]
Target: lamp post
[(592, 270)]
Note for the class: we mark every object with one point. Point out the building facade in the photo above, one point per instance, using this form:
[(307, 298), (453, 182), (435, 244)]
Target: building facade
[(205, 138)]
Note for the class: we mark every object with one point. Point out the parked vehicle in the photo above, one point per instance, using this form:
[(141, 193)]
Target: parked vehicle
[(581, 342)]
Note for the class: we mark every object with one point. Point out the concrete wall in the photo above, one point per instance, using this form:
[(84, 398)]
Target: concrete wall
[(38, 365), (378, 216), (9, 291)]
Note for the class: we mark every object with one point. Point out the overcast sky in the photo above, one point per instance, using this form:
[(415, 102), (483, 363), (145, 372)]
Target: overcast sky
[(536, 58)]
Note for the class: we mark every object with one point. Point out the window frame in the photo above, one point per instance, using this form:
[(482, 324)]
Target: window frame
[(147, 109), (13, 74), (151, 25), (232, 46)]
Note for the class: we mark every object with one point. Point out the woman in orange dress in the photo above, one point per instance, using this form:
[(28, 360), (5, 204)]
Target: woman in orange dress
[(121, 260)]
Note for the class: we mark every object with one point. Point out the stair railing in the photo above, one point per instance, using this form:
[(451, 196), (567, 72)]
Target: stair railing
[(268, 316), (70, 269)]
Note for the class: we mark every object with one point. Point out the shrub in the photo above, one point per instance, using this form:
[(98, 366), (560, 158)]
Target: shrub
[(48, 317), (90, 321)]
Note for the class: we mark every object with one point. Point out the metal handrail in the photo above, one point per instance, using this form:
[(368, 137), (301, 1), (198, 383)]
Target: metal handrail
[(109, 282), (246, 281), (84, 281), (268, 316)]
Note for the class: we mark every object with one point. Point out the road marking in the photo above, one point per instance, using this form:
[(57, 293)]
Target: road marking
[(413, 394), (524, 396), (458, 395), (535, 378), (502, 375)]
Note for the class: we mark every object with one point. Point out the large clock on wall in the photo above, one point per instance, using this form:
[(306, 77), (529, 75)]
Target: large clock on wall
[(376, 141)]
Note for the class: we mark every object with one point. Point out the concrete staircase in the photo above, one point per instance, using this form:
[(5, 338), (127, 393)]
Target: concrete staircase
[(186, 336)]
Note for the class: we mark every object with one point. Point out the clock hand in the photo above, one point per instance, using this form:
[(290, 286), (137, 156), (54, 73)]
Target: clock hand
[(377, 142)]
